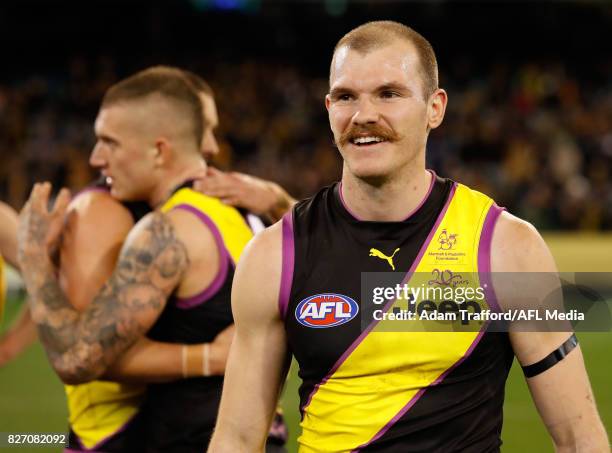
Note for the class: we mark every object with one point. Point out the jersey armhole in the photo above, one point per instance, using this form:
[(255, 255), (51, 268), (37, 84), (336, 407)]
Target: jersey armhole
[(224, 260), (287, 264), (484, 255)]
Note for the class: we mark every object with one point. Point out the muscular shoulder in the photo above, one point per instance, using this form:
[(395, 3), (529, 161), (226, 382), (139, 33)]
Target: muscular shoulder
[(7, 212), (258, 276), (96, 226), (100, 210), (194, 234), (518, 247), (265, 250)]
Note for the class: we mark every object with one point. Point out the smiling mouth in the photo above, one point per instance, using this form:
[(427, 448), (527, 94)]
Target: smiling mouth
[(367, 141)]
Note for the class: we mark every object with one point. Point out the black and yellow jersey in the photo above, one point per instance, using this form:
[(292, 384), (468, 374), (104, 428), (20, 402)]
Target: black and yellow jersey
[(369, 388), (180, 416)]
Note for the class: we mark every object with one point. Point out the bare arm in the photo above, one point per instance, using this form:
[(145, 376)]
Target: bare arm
[(562, 394), (87, 264), (8, 234), (81, 346), (151, 361), (249, 398), (18, 338), (23, 332), (259, 196), (96, 226)]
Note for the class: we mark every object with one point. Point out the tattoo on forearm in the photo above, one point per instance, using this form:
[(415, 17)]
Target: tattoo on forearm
[(82, 345)]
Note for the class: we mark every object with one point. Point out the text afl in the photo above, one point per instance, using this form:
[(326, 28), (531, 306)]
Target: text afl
[(326, 310)]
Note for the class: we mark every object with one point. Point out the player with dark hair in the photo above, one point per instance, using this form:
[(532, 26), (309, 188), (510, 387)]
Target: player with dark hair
[(298, 288)]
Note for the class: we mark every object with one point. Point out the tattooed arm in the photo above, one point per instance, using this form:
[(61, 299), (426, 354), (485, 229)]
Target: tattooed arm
[(81, 346)]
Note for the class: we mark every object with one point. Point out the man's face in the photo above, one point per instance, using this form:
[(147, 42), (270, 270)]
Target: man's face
[(124, 151), (209, 147), (377, 110)]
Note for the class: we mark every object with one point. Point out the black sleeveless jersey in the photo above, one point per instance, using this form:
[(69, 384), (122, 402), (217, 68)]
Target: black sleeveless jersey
[(180, 415), (364, 390)]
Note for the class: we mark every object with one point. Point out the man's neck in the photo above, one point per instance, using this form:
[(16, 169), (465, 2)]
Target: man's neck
[(174, 178), (392, 201)]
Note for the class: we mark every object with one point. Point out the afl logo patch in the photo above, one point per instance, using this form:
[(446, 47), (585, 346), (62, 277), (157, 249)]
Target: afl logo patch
[(326, 310)]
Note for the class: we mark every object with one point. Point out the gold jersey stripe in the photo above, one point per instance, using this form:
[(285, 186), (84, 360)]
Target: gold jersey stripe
[(234, 229)]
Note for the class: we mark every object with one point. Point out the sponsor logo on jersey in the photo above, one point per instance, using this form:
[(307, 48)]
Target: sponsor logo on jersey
[(449, 250), (389, 259), (447, 241), (326, 310)]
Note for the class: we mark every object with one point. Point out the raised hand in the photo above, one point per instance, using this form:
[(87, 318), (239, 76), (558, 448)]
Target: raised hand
[(40, 228)]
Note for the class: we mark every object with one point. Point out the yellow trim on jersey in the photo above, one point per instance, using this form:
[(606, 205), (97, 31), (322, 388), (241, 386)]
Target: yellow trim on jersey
[(99, 409), (234, 230), (388, 369)]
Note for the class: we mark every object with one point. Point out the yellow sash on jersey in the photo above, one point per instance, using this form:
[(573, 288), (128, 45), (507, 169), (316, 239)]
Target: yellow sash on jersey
[(99, 409), (234, 230), (388, 370)]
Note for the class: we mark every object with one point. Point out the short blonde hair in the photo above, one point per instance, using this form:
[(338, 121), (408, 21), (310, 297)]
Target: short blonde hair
[(374, 35), (166, 81)]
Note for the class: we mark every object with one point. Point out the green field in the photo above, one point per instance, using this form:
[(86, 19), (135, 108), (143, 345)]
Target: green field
[(32, 398)]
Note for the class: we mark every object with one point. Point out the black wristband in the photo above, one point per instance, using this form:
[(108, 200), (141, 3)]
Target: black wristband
[(551, 359)]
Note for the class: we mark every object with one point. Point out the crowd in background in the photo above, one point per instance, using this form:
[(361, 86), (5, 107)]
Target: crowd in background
[(535, 137)]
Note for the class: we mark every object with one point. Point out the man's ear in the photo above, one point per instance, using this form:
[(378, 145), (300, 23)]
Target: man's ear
[(436, 108), (162, 152)]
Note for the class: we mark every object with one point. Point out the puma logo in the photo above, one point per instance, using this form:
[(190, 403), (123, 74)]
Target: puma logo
[(378, 254)]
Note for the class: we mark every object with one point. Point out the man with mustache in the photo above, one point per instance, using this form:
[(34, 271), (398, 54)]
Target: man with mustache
[(144, 159), (370, 385)]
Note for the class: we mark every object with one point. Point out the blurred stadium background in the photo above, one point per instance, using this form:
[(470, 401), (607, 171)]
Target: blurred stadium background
[(529, 122)]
